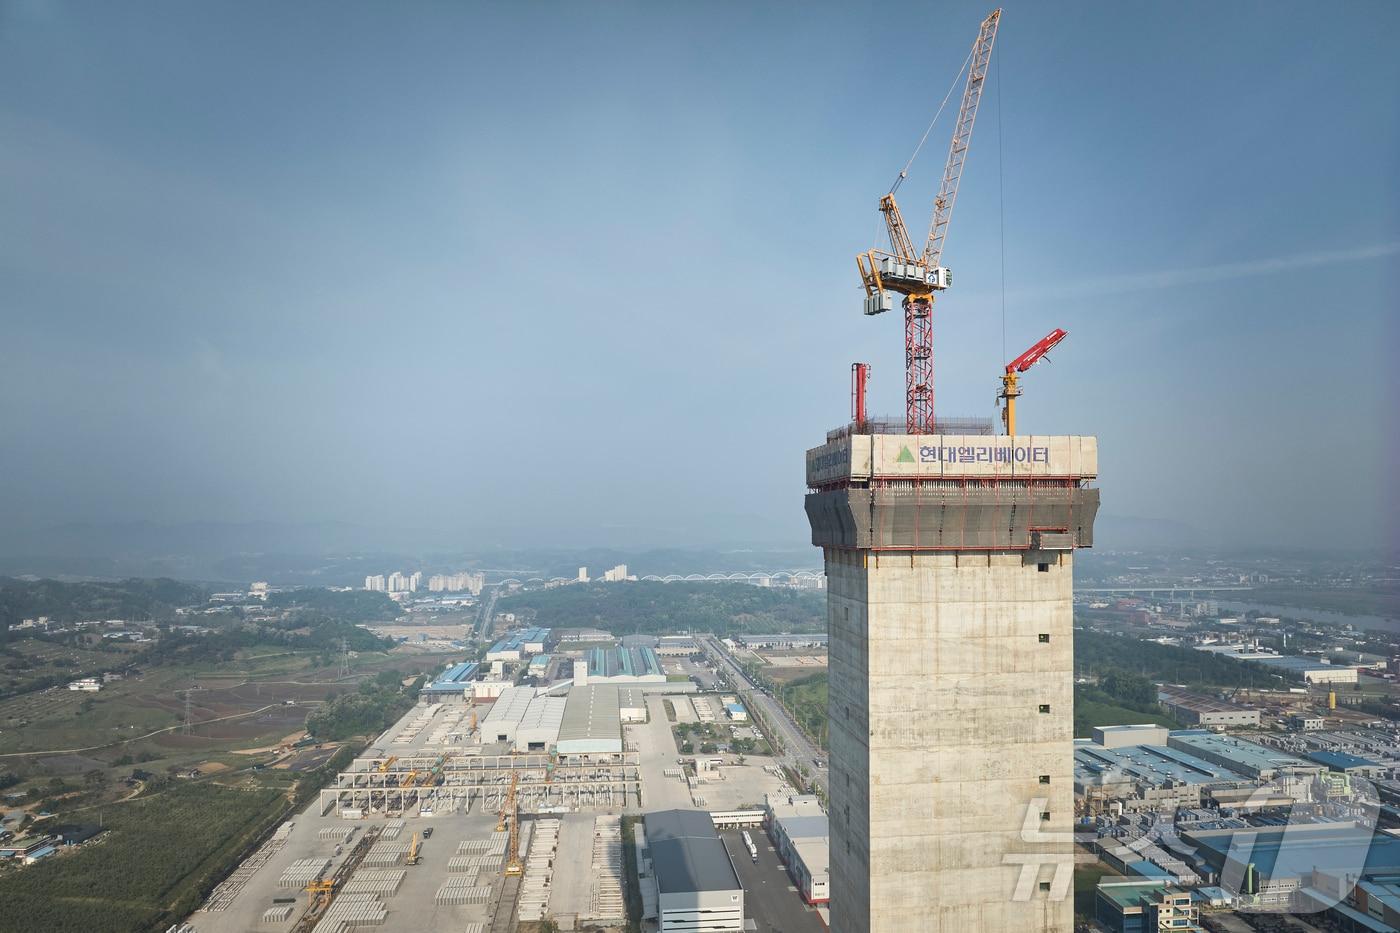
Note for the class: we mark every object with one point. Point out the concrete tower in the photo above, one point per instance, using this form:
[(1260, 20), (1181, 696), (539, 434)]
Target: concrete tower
[(948, 562)]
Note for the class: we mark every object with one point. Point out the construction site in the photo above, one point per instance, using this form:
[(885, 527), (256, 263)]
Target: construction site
[(436, 836)]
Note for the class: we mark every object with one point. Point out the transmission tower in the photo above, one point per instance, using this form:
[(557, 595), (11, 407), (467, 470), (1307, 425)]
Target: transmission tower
[(344, 659)]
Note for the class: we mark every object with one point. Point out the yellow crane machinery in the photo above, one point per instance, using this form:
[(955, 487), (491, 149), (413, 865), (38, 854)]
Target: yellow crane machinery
[(413, 856), (917, 275), (510, 810), (387, 763), (1332, 698), (1010, 380)]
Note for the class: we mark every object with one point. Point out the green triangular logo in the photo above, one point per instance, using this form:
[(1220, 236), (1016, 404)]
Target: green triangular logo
[(904, 456)]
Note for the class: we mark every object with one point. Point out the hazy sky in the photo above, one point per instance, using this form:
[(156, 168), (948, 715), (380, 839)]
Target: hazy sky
[(584, 272)]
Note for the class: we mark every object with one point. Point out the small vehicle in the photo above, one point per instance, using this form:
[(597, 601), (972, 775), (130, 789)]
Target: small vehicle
[(427, 833)]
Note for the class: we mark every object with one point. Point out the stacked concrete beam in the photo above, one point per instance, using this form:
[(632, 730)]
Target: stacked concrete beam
[(302, 872), (381, 883), (539, 870), (949, 581), (607, 902)]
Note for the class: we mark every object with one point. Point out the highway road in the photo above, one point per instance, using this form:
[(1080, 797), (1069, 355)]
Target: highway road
[(488, 611), (798, 750)]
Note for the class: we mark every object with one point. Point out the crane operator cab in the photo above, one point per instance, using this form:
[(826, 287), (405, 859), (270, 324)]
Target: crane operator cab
[(882, 272)]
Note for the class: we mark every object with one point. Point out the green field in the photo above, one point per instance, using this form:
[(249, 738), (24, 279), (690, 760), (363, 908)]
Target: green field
[(155, 864), (252, 701), (1089, 713), (806, 699)]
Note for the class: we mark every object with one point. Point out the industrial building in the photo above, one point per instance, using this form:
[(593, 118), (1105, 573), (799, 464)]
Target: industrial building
[(1145, 907), (671, 646), (453, 682), (1247, 758), (624, 666), (519, 645), (632, 704), (801, 836), (698, 890), (801, 640), (1198, 710), (524, 719), (1309, 670), (1122, 736), (592, 723), (1144, 777), (1342, 763)]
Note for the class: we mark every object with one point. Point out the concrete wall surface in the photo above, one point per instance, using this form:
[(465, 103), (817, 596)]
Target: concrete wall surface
[(942, 758)]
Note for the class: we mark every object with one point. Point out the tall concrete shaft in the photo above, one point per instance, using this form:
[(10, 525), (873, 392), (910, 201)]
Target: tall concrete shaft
[(948, 562)]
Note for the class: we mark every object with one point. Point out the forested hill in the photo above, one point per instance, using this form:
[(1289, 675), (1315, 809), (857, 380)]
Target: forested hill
[(649, 608), (139, 600)]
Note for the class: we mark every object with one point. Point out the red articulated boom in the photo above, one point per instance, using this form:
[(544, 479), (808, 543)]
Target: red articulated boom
[(1010, 389)]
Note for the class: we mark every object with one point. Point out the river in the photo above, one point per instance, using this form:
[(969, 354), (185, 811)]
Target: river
[(1315, 615)]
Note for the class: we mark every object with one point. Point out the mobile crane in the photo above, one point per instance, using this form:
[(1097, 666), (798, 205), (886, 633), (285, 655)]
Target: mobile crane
[(919, 275), (1010, 380)]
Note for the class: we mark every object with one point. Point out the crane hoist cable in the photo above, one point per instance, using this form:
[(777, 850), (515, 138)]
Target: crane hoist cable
[(904, 172)]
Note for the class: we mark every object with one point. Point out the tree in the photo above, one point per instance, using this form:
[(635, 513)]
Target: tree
[(95, 778)]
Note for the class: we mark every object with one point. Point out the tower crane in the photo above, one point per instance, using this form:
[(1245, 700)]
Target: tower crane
[(919, 275), (1010, 388)]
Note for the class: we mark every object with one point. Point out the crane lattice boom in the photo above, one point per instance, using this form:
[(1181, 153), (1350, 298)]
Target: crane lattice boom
[(962, 138)]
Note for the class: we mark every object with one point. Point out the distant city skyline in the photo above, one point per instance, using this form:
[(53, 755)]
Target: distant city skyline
[(513, 276)]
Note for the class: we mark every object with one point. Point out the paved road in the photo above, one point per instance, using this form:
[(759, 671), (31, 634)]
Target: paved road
[(771, 900), (483, 622), (798, 750), (658, 752)]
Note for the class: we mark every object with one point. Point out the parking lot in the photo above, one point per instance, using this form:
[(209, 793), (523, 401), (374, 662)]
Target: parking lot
[(770, 898)]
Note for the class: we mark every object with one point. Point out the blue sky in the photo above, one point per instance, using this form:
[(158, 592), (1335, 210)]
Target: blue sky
[(585, 272)]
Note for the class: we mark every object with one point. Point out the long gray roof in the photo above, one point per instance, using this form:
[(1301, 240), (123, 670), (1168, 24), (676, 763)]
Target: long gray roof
[(687, 854)]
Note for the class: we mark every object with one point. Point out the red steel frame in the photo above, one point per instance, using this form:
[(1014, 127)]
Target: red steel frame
[(918, 364)]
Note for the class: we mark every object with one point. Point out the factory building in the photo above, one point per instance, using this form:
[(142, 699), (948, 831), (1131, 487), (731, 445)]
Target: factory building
[(1145, 907), (801, 836), (592, 723), (676, 646), (538, 729), (619, 666), (1247, 758), (512, 721), (1342, 763), (1122, 736), (632, 704), (805, 640), (1197, 710), (698, 890), (1144, 777), (519, 645), (1309, 670), (453, 682)]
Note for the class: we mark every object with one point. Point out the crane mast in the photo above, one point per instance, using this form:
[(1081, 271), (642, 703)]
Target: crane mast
[(918, 277)]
